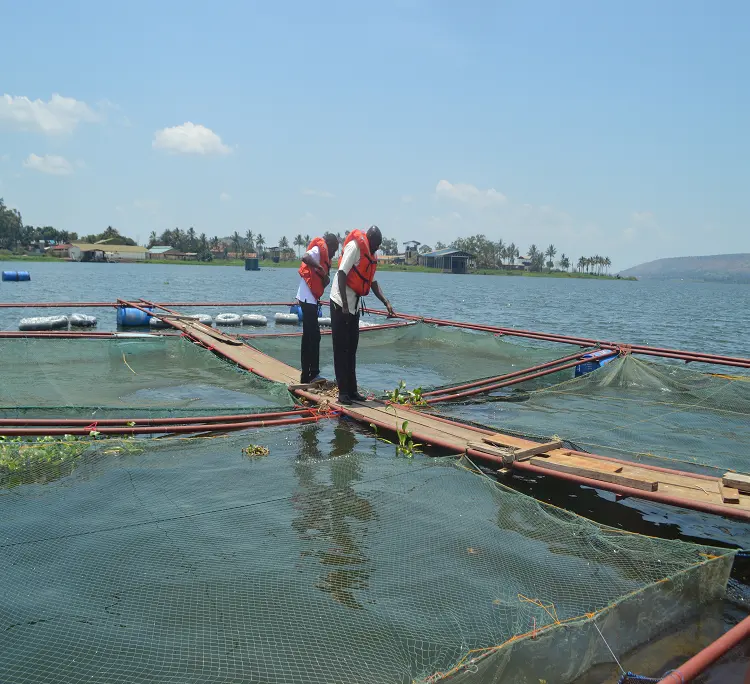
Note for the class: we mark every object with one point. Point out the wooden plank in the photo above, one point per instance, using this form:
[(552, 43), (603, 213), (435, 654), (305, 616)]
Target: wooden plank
[(737, 481), (526, 454), (488, 449), (507, 441), (615, 478), (583, 462), (729, 495)]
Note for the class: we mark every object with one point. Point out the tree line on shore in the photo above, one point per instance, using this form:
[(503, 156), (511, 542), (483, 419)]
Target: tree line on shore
[(488, 254)]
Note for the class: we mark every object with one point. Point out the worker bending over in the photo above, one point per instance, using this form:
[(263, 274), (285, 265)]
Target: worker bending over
[(314, 277), (354, 280)]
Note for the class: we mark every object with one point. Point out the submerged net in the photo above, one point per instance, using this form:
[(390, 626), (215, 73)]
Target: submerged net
[(136, 376), (637, 409), (423, 356), (330, 560)]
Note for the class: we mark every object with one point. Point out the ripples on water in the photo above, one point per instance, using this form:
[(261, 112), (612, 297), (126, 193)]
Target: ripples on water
[(705, 317), (696, 316)]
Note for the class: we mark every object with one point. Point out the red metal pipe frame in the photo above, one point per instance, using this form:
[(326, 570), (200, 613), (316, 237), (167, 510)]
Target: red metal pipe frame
[(507, 376), (580, 341), (699, 662), (114, 305), (513, 379), (186, 420), (155, 429), (724, 511)]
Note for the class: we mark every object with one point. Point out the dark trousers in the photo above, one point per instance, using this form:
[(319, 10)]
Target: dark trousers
[(345, 332), (310, 342)]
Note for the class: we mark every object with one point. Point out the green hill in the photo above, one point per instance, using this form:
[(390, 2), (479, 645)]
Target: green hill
[(725, 268)]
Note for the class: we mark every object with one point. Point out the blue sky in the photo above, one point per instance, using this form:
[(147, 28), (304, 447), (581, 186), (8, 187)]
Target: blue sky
[(611, 128)]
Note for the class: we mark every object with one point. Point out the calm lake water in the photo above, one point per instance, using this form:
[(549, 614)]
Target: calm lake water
[(698, 316)]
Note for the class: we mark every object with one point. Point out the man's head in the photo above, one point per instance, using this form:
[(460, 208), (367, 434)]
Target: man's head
[(375, 238), (332, 242)]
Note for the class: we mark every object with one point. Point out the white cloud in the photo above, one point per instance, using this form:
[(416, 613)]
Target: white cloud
[(318, 193), (406, 199), (58, 115), (225, 197), (189, 138), (469, 194), (307, 218), (49, 163), (5, 158)]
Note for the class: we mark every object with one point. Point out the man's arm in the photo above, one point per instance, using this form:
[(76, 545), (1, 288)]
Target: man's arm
[(342, 289), (379, 294), (314, 265)]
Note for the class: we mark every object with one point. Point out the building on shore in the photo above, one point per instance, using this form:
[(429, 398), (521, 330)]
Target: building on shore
[(81, 251), (449, 260)]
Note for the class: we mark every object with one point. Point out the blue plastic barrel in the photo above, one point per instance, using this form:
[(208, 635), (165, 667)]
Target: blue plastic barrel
[(297, 309), (24, 275), (10, 275), (594, 363), (129, 317)]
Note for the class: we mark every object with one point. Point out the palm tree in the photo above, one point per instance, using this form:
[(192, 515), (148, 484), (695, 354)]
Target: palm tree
[(581, 264), (260, 243), (151, 239), (236, 241), (191, 240), (607, 263), (564, 262), (499, 252), (250, 241), (308, 239), (284, 243), (551, 252), (299, 242)]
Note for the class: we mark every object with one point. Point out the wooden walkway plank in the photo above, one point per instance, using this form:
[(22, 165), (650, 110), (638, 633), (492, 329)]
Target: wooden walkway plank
[(686, 489)]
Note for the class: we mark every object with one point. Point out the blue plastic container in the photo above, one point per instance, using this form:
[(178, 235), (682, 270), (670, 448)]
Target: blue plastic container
[(128, 317), (14, 276), (297, 309), (595, 362)]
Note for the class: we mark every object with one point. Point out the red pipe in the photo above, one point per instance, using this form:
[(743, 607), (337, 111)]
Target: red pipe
[(725, 511), (507, 376), (699, 662), (188, 420), (176, 429), (554, 337), (107, 305), (512, 381)]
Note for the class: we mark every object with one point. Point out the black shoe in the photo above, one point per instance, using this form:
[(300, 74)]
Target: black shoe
[(358, 397), (345, 399)]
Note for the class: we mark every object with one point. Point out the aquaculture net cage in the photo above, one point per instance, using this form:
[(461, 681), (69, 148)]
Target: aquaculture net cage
[(329, 560), (424, 356), (135, 377), (630, 408)]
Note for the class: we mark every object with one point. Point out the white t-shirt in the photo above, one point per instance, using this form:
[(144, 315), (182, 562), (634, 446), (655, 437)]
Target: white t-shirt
[(303, 291), (349, 259)]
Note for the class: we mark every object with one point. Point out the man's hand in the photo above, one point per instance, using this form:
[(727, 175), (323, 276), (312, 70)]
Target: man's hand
[(391, 312)]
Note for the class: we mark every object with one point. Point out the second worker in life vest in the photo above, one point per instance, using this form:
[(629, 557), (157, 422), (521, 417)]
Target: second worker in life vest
[(354, 280), (314, 276)]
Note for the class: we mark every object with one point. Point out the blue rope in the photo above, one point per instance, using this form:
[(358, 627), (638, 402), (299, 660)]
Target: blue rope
[(629, 677)]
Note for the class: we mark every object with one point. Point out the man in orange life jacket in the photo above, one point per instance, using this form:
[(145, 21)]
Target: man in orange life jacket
[(314, 276), (354, 280)]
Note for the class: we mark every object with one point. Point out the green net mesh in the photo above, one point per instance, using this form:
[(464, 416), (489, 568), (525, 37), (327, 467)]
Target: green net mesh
[(330, 560), (422, 355), (636, 409), (138, 376)]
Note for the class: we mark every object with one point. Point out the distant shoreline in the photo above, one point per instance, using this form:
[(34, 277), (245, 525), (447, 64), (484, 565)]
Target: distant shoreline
[(267, 263)]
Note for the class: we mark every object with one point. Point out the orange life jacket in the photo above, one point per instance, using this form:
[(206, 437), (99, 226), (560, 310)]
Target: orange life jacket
[(363, 273), (310, 276)]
